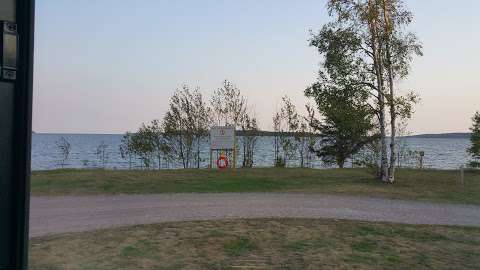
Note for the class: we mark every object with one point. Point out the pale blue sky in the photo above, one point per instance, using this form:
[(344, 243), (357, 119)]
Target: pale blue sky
[(106, 66)]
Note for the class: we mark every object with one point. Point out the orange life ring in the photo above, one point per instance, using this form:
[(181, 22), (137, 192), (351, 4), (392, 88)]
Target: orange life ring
[(225, 162)]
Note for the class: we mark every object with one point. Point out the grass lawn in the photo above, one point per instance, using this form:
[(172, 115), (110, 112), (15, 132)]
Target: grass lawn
[(425, 185), (262, 244)]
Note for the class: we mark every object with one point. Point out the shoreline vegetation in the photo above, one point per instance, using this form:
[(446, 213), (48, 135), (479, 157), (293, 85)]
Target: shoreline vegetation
[(413, 184), (262, 244), (455, 135)]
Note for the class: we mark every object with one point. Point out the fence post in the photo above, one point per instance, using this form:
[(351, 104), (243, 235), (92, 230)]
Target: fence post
[(211, 157), (422, 154), (462, 176)]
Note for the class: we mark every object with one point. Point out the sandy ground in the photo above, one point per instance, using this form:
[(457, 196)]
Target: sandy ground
[(54, 215)]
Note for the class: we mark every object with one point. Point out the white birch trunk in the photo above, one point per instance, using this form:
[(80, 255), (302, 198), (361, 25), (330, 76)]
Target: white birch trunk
[(379, 70), (391, 99)]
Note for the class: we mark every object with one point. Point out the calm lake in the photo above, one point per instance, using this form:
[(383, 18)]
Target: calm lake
[(440, 153)]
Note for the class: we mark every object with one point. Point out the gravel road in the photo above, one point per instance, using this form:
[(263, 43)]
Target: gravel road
[(53, 215)]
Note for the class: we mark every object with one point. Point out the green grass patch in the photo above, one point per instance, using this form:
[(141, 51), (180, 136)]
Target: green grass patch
[(424, 185), (262, 243), (239, 246), (131, 252), (366, 245)]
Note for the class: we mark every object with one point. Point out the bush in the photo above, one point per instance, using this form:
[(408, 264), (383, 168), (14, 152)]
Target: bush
[(280, 163), (474, 164)]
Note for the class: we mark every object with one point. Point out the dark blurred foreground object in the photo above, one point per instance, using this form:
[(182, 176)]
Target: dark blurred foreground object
[(16, 72)]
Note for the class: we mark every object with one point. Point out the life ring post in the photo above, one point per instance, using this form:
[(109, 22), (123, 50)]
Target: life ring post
[(222, 162)]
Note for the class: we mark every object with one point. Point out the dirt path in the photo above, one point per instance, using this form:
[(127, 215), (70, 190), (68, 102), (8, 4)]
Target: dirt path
[(53, 215)]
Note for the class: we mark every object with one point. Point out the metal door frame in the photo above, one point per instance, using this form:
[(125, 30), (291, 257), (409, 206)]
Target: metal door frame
[(18, 177)]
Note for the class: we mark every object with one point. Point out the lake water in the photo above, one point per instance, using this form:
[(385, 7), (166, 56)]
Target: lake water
[(440, 153)]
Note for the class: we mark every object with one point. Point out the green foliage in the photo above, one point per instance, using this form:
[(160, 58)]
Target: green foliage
[(229, 106), (280, 162), (142, 147), (276, 138), (126, 148), (147, 144), (155, 137), (370, 157), (341, 98), (286, 124), (474, 164), (249, 140), (347, 123), (367, 49), (184, 124), (474, 150), (307, 137)]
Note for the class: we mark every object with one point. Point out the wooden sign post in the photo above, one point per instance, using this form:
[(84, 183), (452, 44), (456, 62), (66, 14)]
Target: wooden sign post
[(222, 138)]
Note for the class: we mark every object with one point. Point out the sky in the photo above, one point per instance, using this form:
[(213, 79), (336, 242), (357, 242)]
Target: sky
[(106, 66)]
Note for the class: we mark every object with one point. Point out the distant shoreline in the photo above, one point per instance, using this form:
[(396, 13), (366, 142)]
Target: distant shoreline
[(442, 136), (458, 135)]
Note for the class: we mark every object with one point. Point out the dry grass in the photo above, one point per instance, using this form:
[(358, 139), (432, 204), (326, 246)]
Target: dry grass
[(262, 244), (425, 185)]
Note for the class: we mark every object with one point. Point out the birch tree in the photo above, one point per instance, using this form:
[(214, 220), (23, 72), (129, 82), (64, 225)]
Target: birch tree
[(185, 124), (249, 140), (289, 124), (202, 121), (362, 49), (65, 147), (156, 139), (126, 148), (278, 133), (400, 47), (178, 126), (229, 106), (306, 136), (102, 153), (142, 147)]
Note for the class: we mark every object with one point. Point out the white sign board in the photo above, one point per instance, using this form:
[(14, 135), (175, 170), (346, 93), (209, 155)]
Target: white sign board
[(222, 138)]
